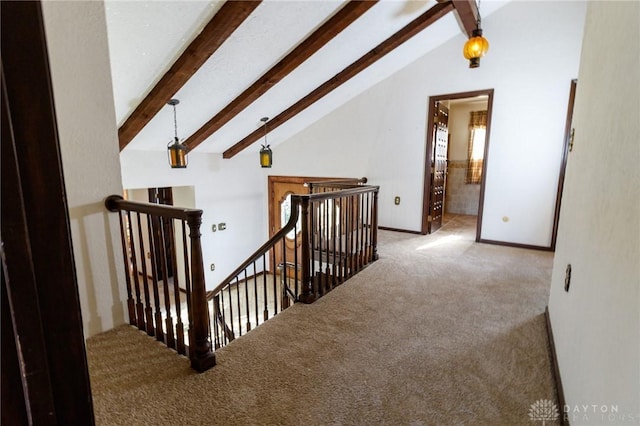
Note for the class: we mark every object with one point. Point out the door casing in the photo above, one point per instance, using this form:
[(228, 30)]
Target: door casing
[(426, 201)]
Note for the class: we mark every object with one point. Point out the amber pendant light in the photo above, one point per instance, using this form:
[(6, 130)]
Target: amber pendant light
[(176, 151), (266, 155), (476, 47)]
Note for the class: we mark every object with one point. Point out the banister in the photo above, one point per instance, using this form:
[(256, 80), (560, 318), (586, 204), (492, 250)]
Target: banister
[(263, 248), (200, 348), (115, 203)]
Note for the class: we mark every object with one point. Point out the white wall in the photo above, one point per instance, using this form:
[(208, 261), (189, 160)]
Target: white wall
[(596, 324), (459, 128), (230, 191), (81, 76), (534, 54)]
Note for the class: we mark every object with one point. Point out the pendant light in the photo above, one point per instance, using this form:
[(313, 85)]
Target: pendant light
[(476, 46), (176, 151), (266, 155)]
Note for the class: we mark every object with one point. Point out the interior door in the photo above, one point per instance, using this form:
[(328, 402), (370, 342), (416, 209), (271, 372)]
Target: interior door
[(281, 206), (438, 166)]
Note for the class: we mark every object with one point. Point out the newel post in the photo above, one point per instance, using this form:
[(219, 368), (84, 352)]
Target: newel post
[(307, 293), (200, 353), (374, 225)]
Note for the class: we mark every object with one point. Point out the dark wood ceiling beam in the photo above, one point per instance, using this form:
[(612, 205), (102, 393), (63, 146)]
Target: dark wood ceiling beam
[(468, 13), (327, 31), (221, 26), (413, 28)]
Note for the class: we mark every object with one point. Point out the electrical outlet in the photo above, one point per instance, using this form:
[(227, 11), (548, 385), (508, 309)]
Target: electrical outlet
[(222, 226), (567, 278), (213, 266), (214, 228), (396, 201)]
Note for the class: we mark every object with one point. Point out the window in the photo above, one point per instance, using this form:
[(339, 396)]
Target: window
[(477, 135)]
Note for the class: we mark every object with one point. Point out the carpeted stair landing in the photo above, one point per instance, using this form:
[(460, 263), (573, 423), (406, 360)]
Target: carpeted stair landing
[(440, 330)]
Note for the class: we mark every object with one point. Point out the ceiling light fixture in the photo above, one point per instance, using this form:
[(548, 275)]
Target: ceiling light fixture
[(266, 155), (476, 46), (177, 151)]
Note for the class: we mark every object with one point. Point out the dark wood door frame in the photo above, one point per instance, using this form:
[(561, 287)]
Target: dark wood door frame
[(39, 278), (427, 164), (563, 163)]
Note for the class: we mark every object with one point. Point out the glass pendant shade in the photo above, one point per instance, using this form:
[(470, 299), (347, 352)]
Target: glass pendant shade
[(475, 48), (266, 156), (177, 155)]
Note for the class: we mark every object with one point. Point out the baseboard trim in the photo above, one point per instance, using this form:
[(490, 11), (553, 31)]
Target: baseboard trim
[(555, 369), (384, 228), (516, 245)]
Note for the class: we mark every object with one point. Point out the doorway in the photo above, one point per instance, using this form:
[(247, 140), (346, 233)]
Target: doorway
[(456, 159)]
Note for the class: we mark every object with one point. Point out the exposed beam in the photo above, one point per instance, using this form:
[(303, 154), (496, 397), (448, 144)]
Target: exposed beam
[(468, 12), (221, 26), (413, 28), (338, 22)]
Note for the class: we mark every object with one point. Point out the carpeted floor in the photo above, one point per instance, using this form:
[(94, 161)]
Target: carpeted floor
[(440, 330)]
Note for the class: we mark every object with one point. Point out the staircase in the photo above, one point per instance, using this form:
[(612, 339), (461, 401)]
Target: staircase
[(333, 230)]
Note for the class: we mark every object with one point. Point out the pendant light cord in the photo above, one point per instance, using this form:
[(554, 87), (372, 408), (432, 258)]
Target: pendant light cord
[(175, 123)]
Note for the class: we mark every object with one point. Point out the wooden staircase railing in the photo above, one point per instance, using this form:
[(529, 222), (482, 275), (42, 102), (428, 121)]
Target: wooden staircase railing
[(334, 232), (164, 272)]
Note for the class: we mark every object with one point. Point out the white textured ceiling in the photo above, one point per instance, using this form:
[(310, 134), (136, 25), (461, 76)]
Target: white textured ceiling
[(145, 37)]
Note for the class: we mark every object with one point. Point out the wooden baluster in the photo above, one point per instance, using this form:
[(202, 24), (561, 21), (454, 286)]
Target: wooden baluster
[(264, 286), (274, 267), (367, 231), (187, 279), (136, 275), (284, 299), (153, 243), (334, 238), (246, 300), (162, 257), (374, 226), (148, 312), (176, 289), (200, 353), (127, 260), (238, 306), (312, 228), (307, 294), (295, 257), (255, 290)]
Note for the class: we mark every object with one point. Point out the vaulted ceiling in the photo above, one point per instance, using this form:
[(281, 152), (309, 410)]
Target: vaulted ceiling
[(259, 64)]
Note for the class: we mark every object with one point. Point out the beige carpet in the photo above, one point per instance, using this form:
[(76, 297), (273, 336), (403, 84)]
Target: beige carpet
[(440, 330)]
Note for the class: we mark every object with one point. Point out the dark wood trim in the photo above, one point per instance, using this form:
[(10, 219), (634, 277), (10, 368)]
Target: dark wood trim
[(427, 164), (414, 27), (563, 162), (327, 31), (221, 26), (406, 231), (515, 245), (555, 368), (47, 324), (467, 11)]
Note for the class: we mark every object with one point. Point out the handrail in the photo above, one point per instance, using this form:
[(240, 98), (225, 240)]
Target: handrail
[(116, 203), (329, 182), (263, 249)]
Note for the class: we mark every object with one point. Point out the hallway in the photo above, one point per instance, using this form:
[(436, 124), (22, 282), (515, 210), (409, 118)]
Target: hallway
[(440, 330)]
